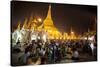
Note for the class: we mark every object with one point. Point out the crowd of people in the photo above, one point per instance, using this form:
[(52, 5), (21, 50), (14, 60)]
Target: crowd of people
[(53, 51)]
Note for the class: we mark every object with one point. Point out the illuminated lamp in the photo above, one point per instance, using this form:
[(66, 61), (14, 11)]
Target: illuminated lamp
[(91, 38), (39, 19)]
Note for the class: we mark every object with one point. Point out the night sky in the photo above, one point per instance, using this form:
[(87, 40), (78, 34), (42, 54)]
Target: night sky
[(64, 16)]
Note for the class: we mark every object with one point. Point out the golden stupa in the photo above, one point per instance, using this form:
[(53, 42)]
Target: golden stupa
[(49, 27)]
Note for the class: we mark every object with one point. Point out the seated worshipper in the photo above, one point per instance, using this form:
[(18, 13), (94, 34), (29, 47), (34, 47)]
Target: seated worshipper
[(95, 51), (17, 47), (75, 54), (43, 55), (33, 60), (91, 47)]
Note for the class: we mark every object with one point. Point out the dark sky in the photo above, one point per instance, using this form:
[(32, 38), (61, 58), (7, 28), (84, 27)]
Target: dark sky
[(65, 16)]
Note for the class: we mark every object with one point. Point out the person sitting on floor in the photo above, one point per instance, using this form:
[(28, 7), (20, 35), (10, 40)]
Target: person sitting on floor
[(75, 54)]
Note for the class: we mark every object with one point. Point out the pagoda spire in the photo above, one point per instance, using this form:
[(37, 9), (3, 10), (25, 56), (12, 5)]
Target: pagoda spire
[(88, 30), (71, 30), (49, 12), (48, 20), (18, 27), (25, 24), (30, 21)]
